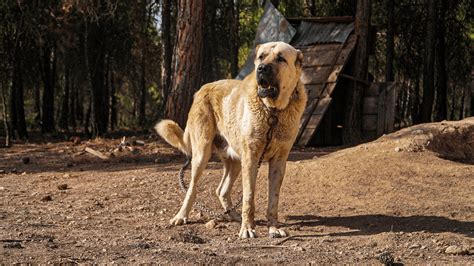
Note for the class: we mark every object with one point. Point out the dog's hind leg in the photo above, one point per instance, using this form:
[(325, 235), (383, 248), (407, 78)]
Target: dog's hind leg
[(231, 172), (202, 150)]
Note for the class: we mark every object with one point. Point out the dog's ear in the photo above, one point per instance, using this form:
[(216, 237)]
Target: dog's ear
[(256, 50), (299, 58)]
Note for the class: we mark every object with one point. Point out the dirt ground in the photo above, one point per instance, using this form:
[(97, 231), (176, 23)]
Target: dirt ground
[(409, 194)]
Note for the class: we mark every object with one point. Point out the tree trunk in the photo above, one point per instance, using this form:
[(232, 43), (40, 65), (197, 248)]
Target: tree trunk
[(64, 115), (442, 74), (209, 51), (453, 103), (17, 110), (95, 52), (428, 64), (353, 114), (390, 41), (234, 38), (463, 99), (87, 120), (5, 117), (311, 7), (113, 102), (188, 52), (13, 112), (49, 76), (72, 104), (415, 109), (471, 94), (37, 95), (143, 86), (167, 52)]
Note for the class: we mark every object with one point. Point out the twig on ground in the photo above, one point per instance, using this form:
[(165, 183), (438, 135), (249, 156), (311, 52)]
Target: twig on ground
[(97, 153)]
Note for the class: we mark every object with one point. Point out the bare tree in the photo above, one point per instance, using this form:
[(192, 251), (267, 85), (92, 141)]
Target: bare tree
[(186, 59), (428, 64), (441, 71)]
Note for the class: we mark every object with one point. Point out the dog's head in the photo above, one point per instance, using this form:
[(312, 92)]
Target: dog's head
[(278, 69)]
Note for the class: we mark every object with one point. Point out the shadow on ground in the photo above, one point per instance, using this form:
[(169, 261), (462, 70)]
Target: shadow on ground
[(375, 224)]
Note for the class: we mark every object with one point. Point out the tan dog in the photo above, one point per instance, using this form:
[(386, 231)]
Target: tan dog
[(230, 117)]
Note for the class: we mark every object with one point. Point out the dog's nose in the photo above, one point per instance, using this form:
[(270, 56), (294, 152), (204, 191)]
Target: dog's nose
[(263, 69)]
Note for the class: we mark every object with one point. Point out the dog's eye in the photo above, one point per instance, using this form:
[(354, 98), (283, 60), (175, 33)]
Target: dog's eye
[(260, 57), (281, 59)]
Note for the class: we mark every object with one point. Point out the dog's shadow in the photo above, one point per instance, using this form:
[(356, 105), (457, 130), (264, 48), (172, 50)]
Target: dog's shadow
[(375, 224)]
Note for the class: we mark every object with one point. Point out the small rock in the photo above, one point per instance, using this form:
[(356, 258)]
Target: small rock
[(13, 245), (398, 149), (2, 188), (211, 224), (25, 160), (416, 245), (63, 187), (417, 132), (456, 250), (301, 249), (194, 248), (386, 258), (67, 175), (326, 239), (47, 198)]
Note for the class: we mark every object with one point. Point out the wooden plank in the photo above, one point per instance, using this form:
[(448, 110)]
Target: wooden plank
[(321, 108), (369, 106), (314, 121), (326, 58), (350, 43), (369, 122), (314, 90), (316, 48), (317, 75)]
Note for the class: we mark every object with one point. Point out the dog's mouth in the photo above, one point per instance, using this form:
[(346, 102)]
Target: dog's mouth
[(266, 90)]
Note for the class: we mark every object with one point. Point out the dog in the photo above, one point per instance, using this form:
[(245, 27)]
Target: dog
[(231, 117)]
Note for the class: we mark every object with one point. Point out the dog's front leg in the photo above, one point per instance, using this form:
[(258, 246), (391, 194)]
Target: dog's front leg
[(249, 176), (276, 172)]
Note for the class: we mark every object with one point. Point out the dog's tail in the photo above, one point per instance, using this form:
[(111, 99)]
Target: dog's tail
[(172, 133)]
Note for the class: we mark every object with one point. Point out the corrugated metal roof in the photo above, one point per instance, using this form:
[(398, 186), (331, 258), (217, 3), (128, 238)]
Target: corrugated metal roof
[(272, 27), (313, 33)]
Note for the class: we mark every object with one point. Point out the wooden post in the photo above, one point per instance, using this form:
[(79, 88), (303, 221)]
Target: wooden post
[(353, 113)]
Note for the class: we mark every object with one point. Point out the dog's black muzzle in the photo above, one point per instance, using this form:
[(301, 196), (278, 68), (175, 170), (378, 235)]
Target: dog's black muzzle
[(267, 87)]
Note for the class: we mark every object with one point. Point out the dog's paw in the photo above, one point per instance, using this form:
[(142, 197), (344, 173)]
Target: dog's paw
[(235, 216), (274, 232), (246, 231), (178, 220)]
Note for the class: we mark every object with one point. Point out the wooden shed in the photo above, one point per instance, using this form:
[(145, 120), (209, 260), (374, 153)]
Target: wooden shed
[(327, 44)]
